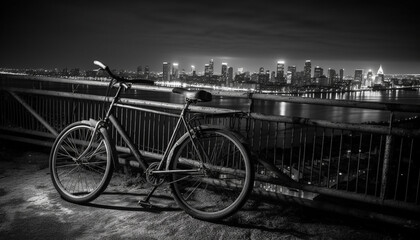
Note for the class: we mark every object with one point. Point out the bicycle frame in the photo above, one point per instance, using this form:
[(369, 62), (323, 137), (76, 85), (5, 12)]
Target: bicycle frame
[(110, 118)]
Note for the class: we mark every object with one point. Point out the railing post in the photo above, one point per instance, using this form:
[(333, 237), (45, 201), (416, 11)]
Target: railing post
[(251, 105), (387, 158)]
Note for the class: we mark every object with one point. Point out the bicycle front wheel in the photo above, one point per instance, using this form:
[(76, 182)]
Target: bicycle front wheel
[(223, 179), (81, 169)]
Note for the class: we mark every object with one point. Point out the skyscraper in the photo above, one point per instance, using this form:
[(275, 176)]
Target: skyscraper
[(369, 78), (331, 76), (358, 77), (280, 71), (318, 72), (175, 71), (230, 74), (192, 70), (224, 72), (211, 67), (146, 72), (289, 77), (341, 74), (292, 70), (206, 70), (166, 71), (273, 77), (380, 77), (307, 72)]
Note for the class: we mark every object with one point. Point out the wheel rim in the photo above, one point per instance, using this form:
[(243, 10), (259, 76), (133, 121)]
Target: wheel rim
[(80, 177), (224, 185)]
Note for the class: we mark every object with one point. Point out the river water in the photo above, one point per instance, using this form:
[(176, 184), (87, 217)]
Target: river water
[(331, 113)]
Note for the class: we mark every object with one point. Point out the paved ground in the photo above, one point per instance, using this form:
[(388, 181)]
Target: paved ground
[(30, 208)]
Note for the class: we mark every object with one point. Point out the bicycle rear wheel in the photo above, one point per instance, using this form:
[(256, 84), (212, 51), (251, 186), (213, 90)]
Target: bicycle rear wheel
[(80, 178), (222, 187)]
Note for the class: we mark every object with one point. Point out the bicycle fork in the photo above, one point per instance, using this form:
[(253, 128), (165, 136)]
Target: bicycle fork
[(97, 124)]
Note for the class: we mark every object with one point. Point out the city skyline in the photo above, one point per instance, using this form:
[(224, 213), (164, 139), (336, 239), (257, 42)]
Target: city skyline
[(249, 34), (201, 70)]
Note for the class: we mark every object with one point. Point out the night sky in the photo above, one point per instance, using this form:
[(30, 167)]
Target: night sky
[(249, 34)]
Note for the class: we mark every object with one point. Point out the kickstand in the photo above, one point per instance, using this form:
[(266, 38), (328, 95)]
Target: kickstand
[(145, 202)]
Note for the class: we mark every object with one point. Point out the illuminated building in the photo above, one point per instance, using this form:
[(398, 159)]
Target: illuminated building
[(224, 72), (193, 70), (307, 72), (166, 71), (289, 77), (230, 74), (318, 72), (341, 74), (280, 71), (175, 71), (211, 68), (369, 78), (380, 77), (358, 77), (331, 76), (292, 70), (206, 70), (273, 77), (146, 72), (262, 78)]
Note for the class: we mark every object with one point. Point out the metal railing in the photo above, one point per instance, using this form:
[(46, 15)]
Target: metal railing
[(368, 163)]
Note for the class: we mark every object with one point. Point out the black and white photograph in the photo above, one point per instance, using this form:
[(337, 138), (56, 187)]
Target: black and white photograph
[(209, 120)]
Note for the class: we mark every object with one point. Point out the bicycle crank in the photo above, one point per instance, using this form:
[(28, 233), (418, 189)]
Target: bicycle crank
[(154, 179)]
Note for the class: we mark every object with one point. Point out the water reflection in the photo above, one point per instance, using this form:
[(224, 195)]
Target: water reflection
[(341, 114)]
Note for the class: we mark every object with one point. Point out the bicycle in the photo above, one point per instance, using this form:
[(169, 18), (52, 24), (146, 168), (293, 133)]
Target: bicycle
[(208, 168)]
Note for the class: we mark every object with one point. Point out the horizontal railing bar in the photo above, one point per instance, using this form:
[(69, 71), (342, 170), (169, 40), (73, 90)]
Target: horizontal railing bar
[(87, 82), (211, 110), (138, 102), (335, 125), (146, 110), (414, 108)]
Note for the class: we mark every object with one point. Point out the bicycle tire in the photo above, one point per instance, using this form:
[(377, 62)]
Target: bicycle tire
[(81, 180), (228, 179)]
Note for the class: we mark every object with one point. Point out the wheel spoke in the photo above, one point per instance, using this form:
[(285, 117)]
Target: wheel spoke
[(226, 180), (81, 178)]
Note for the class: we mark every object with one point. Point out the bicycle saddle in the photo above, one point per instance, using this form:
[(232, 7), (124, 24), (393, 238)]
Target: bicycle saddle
[(198, 95)]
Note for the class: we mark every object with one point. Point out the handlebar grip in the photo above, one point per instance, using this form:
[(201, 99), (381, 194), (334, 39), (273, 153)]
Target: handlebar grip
[(101, 65)]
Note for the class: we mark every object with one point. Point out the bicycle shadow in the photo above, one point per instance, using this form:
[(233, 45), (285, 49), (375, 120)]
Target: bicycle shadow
[(267, 219), (128, 201)]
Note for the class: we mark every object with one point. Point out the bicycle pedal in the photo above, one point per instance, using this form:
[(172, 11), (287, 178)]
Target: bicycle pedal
[(145, 204)]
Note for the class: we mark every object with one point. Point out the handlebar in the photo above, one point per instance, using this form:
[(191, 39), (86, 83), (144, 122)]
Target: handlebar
[(120, 79)]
